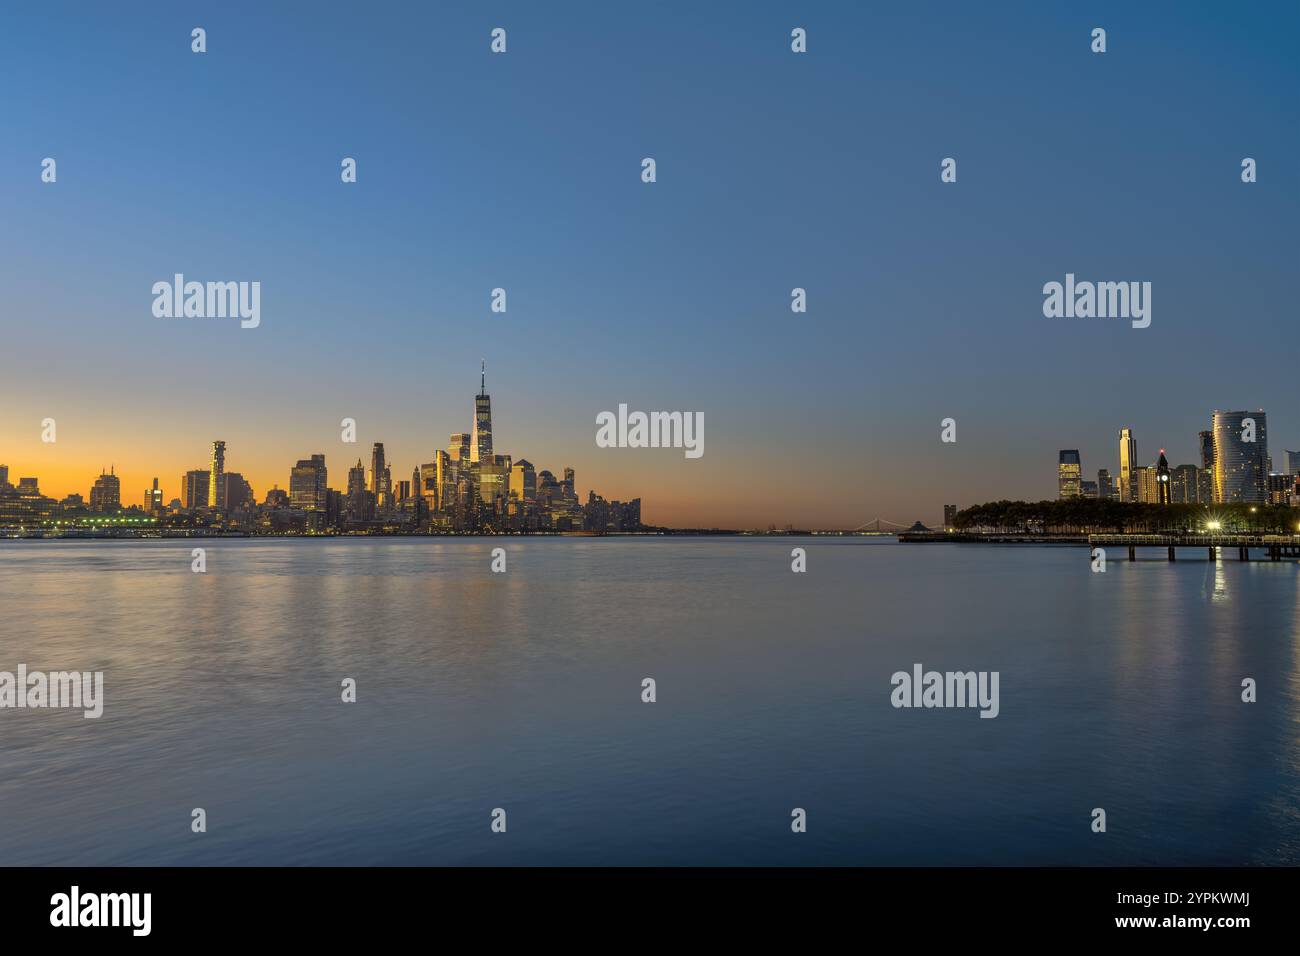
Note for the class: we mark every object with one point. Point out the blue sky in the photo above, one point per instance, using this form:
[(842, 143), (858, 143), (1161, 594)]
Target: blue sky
[(775, 170)]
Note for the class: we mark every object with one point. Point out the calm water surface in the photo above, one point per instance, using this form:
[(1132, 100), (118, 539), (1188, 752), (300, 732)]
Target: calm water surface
[(522, 691)]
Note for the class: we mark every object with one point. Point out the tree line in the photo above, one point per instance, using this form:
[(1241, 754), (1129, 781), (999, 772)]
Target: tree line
[(1095, 515)]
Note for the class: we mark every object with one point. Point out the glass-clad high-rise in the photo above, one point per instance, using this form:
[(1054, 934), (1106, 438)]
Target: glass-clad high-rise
[(1069, 474), (1240, 457)]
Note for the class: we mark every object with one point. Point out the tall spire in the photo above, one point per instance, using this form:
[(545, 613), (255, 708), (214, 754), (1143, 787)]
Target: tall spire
[(482, 382)]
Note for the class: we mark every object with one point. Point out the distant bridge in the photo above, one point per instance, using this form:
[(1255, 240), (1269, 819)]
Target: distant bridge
[(874, 526)]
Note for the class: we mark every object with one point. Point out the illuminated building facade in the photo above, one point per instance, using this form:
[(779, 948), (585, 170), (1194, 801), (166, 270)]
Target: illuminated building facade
[(1240, 457), (216, 481), (1127, 465), (1069, 474), (106, 493)]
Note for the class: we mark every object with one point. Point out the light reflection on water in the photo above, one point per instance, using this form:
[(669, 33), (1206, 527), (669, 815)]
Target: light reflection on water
[(478, 690)]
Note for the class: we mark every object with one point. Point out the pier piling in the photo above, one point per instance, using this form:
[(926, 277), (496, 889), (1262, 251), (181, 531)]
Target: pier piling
[(1274, 547)]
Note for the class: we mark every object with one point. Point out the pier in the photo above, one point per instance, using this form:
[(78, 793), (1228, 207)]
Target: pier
[(1276, 547)]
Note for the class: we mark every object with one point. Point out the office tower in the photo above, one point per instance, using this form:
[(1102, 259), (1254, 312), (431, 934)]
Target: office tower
[(1206, 441), (29, 487), (1290, 464), (949, 516), (596, 513), (308, 489), (355, 479), (236, 493), (1105, 489), (493, 480), (359, 496), (1127, 464), (458, 447), (194, 489), (480, 448), (446, 481), (4, 474), (276, 498), (427, 483), (1205, 486), (376, 468), (1088, 489), (216, 486), (1280, 489), (1185, 485), (153, 498), (547, 491), (1240, 465), (564, 509), (1163, 490), (25, 509), (106, 494), (402, 491), (1069, 471), (335, 508), (523, 483), (1144, 484)]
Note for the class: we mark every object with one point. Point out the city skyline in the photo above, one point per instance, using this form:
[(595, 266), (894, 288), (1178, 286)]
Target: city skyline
[(1234, 464), (467, 487), (923, 298), (1159, 481)]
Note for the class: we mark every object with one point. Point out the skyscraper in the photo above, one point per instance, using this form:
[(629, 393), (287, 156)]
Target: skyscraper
[(480, 448), (426, 482), (1105, 488), (1206, 440), (949, 516), (236, 491), (1185, 485), (1290, 464), (523, 483), (1240, 457), (1069, 473), (153, 498), (1163, 491), (1144, 485), (376, 469), (1205, 486), (194, 489), (106, 493), (216, 483), (1127, 463), (360, 500), (308, 489)]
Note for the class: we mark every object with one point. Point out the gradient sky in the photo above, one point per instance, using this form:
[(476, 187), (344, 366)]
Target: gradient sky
[(523, 171)]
